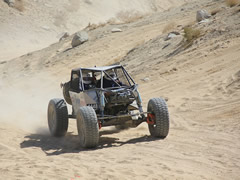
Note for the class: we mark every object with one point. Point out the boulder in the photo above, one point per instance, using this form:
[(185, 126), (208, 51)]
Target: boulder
[(10, 2), (174, 32), (79, 38), (171, 35), (201, 15), (204, 21)]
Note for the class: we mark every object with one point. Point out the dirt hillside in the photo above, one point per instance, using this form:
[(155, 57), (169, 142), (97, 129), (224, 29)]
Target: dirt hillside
[(33, 25), (200, 79)]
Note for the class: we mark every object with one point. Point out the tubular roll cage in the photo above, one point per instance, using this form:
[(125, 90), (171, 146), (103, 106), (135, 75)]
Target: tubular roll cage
[(101, 90)]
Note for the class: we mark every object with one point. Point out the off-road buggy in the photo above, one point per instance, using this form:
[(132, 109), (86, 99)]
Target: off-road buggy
[(97, 105)]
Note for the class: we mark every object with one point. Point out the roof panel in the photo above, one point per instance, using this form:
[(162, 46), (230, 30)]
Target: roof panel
[(103, 68)]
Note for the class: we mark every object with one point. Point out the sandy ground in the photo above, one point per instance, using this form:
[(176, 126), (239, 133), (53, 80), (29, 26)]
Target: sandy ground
[(201, 84)]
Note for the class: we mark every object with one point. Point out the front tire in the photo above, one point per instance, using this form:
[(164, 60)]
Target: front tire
[(57, 117), (87, 125), (157, 107)]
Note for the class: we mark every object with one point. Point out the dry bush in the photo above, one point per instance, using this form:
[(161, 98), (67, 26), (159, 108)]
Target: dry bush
[(112, 21), (169, 27), (215, 11), (19, 5), (191, 34), (232, 3), (128, 16), (94, 26)]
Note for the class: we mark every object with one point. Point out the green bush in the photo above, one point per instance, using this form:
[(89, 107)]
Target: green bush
[(191, 34)]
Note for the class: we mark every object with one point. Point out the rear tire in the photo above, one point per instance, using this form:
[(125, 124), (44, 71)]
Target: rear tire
[(57, 117), (87, 125), (66, 95), (158, 108)]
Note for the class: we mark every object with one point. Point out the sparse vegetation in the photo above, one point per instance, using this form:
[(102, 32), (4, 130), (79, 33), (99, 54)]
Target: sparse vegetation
[(121, 17), (112, 21), (232, 3), (95, 26), (128, 16), (191, 34), (169, 27)]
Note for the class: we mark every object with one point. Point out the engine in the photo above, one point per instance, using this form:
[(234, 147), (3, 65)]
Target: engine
[(118, 101)]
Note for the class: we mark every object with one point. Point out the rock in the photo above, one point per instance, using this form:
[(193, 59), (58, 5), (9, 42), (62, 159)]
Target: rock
[(114, 30), (10, 2), (64, 36), (174, 32), (204, 21), (79, 38), (201, 15), (166, 98), (171, 35)]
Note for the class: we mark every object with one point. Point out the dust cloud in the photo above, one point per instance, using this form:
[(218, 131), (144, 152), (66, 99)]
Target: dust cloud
[(25, 104)]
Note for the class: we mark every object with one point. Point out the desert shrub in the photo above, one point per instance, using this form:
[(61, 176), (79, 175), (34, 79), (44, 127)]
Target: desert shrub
[(169, 27), (94, 26), (128, 16), (112, 21), (232, 3), (191, 34)]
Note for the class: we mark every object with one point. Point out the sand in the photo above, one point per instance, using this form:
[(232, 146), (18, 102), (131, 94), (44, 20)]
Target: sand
[(201, 85)]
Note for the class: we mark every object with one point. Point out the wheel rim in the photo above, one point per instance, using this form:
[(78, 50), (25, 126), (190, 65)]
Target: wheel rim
[(152, 116), (152, 126), (151, 119)]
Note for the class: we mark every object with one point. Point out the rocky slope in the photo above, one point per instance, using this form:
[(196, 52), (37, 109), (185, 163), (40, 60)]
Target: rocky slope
[(33, 25)]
